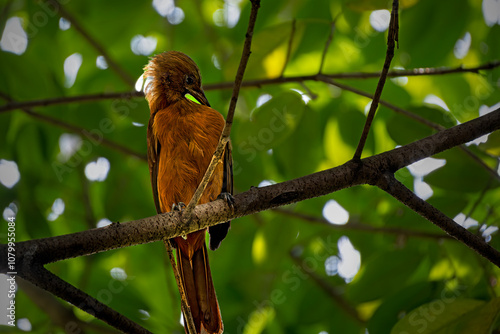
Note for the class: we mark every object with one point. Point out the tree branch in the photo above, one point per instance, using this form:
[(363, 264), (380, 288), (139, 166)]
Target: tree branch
[(356, 226), (426, 210), (46, 280), (224, 139), (330, 290), (78, 130), (391, 39), (169, 225), (114, 65), (256, 83)]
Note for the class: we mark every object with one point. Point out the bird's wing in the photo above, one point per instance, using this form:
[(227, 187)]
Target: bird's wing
[(219, 232), (153, 161)]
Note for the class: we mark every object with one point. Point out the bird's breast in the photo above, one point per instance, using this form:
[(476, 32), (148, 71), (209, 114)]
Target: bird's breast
[(187, 141)]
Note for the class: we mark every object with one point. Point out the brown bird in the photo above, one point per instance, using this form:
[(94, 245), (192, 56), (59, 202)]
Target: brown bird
[(182, 137)]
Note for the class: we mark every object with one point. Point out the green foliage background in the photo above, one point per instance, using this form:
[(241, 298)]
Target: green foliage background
[(261, 288)]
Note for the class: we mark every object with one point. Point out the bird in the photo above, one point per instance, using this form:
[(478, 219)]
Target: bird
[(182, 136)]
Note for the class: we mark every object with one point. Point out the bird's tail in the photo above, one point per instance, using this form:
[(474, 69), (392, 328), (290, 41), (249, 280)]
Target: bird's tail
[(194, 269)]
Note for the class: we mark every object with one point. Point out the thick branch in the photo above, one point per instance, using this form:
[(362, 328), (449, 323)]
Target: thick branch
[(407, 197), (46, 280), (169, 225)]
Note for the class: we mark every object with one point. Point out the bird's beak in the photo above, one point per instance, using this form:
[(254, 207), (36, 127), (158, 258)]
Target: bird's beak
[(199, 95)]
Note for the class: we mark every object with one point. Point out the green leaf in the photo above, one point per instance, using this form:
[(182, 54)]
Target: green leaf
[(450, 315), (383, 273), (271, 123), (460, 173)]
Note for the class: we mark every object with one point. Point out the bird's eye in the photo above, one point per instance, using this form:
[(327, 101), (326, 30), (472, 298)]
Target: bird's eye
[(189, 80)]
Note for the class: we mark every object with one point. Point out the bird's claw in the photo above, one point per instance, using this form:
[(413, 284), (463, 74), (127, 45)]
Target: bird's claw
[(178, 206), (228, 198)]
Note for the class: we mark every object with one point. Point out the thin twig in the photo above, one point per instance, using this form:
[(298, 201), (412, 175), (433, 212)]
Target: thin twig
[(255, 83), (327, 44), (356, 226), (69, 99), (78, 130), (186, 310), (416, 117), (289, 49), (217, 156), (329, 289), (397, 190), (391, 38), (102, 51)]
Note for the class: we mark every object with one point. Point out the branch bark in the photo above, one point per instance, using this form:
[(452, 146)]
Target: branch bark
[(169, 225)]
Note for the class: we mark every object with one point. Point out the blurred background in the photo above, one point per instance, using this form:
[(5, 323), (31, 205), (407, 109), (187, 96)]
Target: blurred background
[(356, 261)]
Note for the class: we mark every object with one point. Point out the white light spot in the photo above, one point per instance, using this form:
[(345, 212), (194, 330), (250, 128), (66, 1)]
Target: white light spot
[(64, 24), (487, 231), (466, 222), (176, 16), (479, 140), (71, 66), (484, 109), (57, 209), (139, 125), (14, 38), (304, 96), (166, 8), (229, 15), (24, 324), (367, 108), (350, 259), (433, 99), (380, 19), (9, 173), (270, 151), (101, 63), (263, 99), (163, 7), (491, 12), (98, 170), (144, 314), (423, 167), (400, 81), (462, 46), (334, 213), (103, 222), (265, 183), (422, 189), (143, 46), (118, 274), (216, 62), (10, 212), (331, 265), (69, 144), (139, 83)]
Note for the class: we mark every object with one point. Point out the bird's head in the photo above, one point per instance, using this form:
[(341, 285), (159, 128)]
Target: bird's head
[(170, 76)]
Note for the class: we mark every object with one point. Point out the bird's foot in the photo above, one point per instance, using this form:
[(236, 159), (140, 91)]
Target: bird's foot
[(228, 198), (178, 207)]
